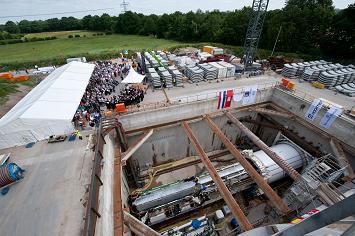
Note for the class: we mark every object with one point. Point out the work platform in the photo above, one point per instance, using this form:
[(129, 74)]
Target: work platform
[(51, 198)]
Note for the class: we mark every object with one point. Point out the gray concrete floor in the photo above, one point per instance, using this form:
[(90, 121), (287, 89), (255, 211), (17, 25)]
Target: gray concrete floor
[(50, 199)]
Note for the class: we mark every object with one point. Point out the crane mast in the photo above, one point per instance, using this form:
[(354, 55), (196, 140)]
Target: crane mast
[(254, 30)]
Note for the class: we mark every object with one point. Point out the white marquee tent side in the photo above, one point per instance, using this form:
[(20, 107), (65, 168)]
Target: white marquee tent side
[(133, 77), (48, 109)]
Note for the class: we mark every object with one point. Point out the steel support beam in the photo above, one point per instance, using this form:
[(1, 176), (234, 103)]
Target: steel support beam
[(260, 181), (137, 226), (131, 150), (117, 198), (339, 152), (314, 128), (258, 142), (289, 134), (225, 193), (332, 214), (272, 112)]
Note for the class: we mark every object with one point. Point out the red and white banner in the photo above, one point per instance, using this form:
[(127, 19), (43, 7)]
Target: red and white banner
[(225, 99)]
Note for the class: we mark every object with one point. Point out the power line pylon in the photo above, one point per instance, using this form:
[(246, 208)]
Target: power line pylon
[(124, 5)]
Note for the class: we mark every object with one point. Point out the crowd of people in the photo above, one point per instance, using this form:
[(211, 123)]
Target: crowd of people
[(101, 93), (129, 96)]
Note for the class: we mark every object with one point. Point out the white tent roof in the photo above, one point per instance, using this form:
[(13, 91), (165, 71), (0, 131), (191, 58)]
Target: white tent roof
[(133, 77), (49, 108)]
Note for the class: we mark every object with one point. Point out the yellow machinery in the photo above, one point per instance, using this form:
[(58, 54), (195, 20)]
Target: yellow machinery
[(316, 84)]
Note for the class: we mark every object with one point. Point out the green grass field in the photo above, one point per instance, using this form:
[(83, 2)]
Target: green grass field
[(6, 87), (63, 47), (55, 52), (61, 34)]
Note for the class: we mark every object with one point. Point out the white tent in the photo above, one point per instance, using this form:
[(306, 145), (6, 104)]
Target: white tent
[(133, 77), (48, 109)]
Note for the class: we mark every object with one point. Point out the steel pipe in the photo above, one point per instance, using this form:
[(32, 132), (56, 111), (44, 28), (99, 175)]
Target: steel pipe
[(225, 193), (272, 112), (258, 142), (261, 182)]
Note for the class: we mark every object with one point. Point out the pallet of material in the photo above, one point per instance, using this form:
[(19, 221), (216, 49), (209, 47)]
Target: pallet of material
[(167, 78), (195, 74), (222, 71), (156, 81), (57, 138), (178, 78), (210, 72)]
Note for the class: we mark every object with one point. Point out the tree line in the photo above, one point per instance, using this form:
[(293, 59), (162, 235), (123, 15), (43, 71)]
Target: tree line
[(307, 26)]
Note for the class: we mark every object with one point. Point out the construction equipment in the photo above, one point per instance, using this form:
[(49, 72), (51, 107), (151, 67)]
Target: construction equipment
[(255, 27), (317, 84), (277, 62)]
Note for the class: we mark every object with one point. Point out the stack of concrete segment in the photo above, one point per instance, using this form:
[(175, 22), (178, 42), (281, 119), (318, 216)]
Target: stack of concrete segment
[(210, 72), (177, 75), (296, 69), (155, 78), (222, 71), (152, 61), (230, 68), (347, 89), (168, 78), (194, 73)]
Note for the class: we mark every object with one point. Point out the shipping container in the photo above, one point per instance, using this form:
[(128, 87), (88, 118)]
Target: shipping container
[(208, 49)]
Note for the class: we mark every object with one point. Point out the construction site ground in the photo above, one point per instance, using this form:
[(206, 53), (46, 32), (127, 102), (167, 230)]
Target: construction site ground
[(51, 198)]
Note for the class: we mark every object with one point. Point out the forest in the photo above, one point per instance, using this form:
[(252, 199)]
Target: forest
[(310, 27)]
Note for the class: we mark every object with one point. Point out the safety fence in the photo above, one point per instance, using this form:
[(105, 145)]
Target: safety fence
[(192, 99), (214, 94)]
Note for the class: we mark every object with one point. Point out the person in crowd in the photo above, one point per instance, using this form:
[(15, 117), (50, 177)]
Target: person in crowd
[(101, 92)]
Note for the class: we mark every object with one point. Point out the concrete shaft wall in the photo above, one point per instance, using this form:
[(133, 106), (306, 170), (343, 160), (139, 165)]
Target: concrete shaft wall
[(342, 128), (171, 143), (104, 224), (179, 112)]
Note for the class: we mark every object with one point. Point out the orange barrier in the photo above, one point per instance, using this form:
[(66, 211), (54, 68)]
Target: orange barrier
[(120, 107), (7, 76), (22, 78), (285, 82), (291, 85), (108, 113)]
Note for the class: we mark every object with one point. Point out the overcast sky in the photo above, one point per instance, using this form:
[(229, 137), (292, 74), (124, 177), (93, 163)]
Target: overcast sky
[(36, 9)]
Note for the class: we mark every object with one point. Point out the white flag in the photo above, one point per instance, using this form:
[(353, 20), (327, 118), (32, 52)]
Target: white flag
[(313, 110), (249, 95), (330, 117), (237, 97)]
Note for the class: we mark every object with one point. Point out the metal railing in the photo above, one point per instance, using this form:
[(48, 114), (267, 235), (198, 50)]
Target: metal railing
[(192, 99), (214, 95)]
